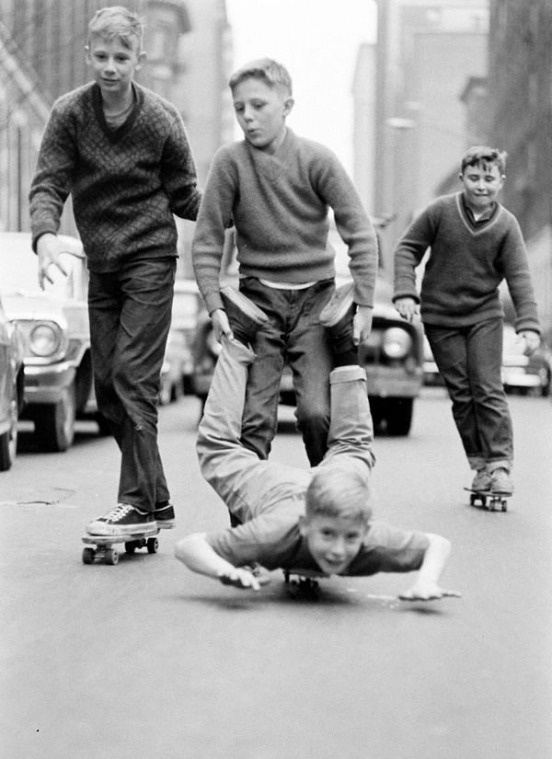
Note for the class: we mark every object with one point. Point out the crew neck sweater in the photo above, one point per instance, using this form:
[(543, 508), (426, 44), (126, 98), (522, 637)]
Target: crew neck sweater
[(279, 206), (126, 183), (466, 265)]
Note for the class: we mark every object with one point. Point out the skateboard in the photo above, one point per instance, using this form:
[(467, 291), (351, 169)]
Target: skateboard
[(303, 582), (487, 500), (104, 551)]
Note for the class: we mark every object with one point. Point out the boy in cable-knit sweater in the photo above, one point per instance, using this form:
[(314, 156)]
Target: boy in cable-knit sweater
[(122, 153), (277, 189), (475, 244)]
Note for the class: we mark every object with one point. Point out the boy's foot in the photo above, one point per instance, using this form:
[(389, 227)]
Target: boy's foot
[(244, 316), (501, 482), (339, 306), (164, 516), (124, 519), (481, 481)]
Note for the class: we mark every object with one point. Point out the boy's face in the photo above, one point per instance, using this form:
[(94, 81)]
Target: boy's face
[(482, 183), (114, 64), (332, 541), (261, 112)]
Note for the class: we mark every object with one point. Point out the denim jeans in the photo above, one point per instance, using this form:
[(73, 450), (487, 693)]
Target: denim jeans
[(249, 485), (130, 315), (295, 335), (470, 360)]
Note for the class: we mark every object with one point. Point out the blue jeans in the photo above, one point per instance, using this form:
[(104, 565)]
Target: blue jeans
[(130, 316), (470, 360), (295, 335), (250, 486)]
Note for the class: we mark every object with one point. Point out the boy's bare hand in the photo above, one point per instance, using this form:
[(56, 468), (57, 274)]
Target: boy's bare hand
[(531, 340), (362, 324), (407, 308), (240, 578), (427, 592), (48, 250), (221, 325)]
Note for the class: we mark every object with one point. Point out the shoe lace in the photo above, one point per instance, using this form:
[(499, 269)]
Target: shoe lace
[(120, 511)]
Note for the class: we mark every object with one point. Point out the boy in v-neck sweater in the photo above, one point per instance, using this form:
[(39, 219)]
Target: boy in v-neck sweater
[(122, 153), (475, 244)]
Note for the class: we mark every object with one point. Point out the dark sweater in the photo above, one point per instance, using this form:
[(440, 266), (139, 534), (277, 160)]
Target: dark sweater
[(466, 265), (126, 184), (279, 205)]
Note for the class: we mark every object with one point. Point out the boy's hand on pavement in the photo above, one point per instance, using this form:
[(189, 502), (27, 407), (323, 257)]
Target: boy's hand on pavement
[(531, 340), (427, 592), (407, 308), (362, 324), (221, 325), (240, 578), (48, 249)]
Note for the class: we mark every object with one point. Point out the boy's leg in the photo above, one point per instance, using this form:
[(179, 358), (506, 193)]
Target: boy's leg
[(130, 317)]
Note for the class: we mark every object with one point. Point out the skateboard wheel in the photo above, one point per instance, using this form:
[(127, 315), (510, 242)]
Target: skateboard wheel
[(111, 557), (153, 545), (130, 546), (88, 555)]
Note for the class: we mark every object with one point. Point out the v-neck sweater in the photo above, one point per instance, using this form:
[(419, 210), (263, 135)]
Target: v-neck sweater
[(126, 183), (466, 265), (279, 205)]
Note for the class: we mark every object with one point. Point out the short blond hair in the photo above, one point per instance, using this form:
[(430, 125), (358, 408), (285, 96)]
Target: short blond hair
[(116, 22), (271, 72), (481, 155), (341, 491)]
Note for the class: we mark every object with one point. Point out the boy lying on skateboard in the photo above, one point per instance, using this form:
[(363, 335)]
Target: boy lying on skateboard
[(318, 520)]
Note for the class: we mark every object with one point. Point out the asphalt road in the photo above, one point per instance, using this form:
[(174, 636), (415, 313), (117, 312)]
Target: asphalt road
[(147, 660)]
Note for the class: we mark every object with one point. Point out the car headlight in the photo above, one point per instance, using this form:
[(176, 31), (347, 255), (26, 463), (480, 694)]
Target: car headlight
[(396, 343), (45, 340)]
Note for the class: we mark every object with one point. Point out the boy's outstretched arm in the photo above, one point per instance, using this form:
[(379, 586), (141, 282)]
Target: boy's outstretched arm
[(196, 553), (426, 587)]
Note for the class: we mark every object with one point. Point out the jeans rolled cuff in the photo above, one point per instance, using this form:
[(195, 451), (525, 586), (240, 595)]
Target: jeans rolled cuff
[(349, 373), (499, 464)]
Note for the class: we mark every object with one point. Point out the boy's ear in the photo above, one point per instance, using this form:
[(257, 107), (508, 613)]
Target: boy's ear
[(142, 56), (303, 525), (288, 106), (87, 54)]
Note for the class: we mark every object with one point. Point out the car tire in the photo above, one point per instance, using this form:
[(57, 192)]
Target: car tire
[(398, 415), (55, 423), (8, 441)]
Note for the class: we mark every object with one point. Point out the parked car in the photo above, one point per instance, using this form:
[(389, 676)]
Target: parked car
[(522, 374), (177, 371), (392, 357), (56, 336), (11, 388)]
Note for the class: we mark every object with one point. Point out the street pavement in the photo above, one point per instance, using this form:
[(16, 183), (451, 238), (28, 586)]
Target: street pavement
[(145, 659)]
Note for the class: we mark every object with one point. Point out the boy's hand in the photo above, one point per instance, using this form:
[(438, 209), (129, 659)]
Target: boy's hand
[(362, 324), (531, 340), (221, 325), (427, 592), (48, 250), (240, 578), (407, 308)]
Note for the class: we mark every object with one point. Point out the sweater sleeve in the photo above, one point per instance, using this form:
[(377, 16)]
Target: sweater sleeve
[(214, 217), (53, 178), (514, 261), (178, 172), (409, 252)]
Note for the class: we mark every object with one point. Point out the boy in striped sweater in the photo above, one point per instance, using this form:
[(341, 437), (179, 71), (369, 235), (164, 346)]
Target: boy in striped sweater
[(475, 244)]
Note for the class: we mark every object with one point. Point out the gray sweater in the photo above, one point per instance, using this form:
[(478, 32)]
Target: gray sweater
[(279, 206)]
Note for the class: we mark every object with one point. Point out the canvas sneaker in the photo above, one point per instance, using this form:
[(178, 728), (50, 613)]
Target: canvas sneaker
[(339, 305), (164, 516), (245, 318), (124, 519), (481, 481), (501, 482)]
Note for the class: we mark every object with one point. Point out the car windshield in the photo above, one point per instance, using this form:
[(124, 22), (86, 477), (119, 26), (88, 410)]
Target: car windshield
[(19, 275)]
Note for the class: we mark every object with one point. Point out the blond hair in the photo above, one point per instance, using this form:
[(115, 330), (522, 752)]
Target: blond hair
[(339, 491), (116, 22), (268, 70), (483, 156)]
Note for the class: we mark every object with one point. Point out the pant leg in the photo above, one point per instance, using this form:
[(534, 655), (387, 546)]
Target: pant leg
[(246, 484), (130, 312)]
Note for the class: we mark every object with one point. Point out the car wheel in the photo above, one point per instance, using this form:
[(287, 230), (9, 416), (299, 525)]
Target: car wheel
[(55, 423), (398, 415), (8, 441)]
